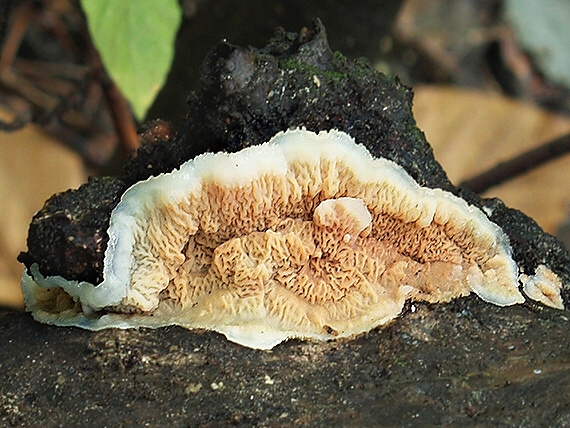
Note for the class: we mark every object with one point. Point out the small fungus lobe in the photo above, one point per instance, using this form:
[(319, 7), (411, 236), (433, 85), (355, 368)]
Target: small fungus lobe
[(305, 236), (544, 287)]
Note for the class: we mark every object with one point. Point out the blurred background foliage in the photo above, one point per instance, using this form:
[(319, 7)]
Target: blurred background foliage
[(77, 78)]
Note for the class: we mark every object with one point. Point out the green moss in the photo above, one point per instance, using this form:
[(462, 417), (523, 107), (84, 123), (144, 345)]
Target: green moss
[(291, 64)]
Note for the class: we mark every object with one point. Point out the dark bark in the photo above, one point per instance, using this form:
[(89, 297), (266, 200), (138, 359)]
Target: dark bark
[(468, 363)]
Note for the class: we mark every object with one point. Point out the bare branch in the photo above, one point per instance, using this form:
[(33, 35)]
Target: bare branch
[(518, 165)]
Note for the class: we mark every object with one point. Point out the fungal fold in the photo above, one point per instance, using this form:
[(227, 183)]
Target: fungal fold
[(544, 287), (305, 236)]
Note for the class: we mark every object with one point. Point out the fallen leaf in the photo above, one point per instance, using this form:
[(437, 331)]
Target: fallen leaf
[(33, 166), (472, 131)]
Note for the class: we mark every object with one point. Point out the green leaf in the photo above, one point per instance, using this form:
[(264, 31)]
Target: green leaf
[(135, 39), (543, 28)]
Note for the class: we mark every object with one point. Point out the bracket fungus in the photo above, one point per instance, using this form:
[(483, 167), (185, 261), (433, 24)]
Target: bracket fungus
[(307, 235)]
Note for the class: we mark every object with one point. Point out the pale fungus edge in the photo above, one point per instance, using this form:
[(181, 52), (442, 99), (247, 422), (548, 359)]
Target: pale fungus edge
[(544, 287)]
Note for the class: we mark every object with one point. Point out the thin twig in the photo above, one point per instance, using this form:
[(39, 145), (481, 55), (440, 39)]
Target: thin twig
[(122, 117), (22, 16), (9, 79), (64, 70), (10, 42), (5, 8), (519, 165), (121, 114)]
